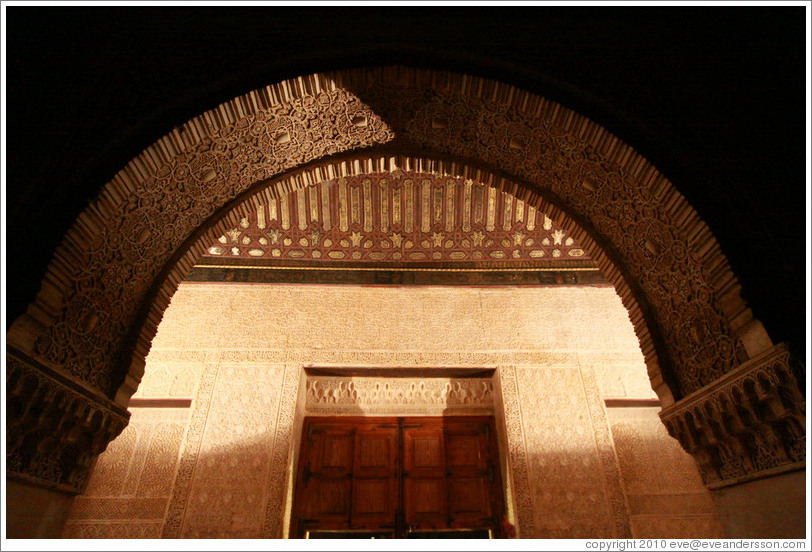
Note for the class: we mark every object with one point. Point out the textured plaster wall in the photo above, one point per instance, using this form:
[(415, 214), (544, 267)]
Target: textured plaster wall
[(220, 468), (661, 502)]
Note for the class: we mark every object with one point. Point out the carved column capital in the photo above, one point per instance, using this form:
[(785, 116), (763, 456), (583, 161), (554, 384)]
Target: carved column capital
[(55, 427), (748, 424)]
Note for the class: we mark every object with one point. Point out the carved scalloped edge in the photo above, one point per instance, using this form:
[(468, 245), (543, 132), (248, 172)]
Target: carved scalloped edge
[(749, 424)]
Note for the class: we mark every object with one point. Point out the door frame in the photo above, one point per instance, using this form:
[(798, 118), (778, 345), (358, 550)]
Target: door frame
[(497, 408)]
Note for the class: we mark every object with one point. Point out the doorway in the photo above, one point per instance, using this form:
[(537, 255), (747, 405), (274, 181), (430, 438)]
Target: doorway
[(398, 477)]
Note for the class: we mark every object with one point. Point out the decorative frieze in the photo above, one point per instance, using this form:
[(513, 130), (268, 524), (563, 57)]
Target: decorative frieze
[(403, 396), (55, 427), (399, 217), (749, 424)]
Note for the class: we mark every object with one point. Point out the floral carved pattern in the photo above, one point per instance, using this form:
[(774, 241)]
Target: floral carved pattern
[(121, 242), (751, 421)]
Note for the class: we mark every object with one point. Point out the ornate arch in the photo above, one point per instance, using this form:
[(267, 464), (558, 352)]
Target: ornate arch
[(113, 275)]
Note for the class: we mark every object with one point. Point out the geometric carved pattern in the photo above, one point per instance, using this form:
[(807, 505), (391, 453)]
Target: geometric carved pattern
[(191, 451), (113, 530), (230, 481), (749, 423), (99, 278), (398, 217), (606, 453), (517, 452), (131, 482), (55, 427)]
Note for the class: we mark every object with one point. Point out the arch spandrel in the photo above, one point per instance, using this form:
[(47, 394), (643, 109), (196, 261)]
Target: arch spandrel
[(132, 237)]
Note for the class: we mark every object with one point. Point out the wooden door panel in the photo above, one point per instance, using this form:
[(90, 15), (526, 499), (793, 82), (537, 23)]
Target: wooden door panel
[(466, 452), (426, 502), (376, 452), (374, 503), (363, 474), (424, 450), (469, 501), (328, 498), (332, 452)]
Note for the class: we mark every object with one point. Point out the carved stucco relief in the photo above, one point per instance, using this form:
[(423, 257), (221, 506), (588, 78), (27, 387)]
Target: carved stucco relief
[(282, 460), (751, 421), (55, 427), (665, 494), (258, 390), (177, 378), (129, 489), (228, 490), (191, 450), (398, 396), (570, 493), (108, 261), (517, 452)]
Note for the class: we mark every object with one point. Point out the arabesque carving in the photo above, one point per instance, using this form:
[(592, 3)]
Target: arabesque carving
[(121, 242), (749, 424), (116, 269), (101, 274), (55, 428)]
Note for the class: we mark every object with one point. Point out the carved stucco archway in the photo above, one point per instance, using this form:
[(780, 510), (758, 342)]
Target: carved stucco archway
[(102, 298)]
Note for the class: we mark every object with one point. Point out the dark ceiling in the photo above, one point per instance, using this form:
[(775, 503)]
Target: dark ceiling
[(714, 97)]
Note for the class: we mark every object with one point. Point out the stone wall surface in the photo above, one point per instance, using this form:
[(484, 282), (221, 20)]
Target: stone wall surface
[(220, 467)]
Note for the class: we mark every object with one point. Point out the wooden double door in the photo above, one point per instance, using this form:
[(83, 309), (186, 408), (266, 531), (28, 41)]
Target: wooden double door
[(409, 477)]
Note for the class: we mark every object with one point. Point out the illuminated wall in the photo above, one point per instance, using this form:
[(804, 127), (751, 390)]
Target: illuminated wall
[(210, 446)]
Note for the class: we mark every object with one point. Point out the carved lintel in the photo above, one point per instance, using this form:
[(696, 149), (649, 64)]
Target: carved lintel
[(55, 428), (390, 396), (748, 424)]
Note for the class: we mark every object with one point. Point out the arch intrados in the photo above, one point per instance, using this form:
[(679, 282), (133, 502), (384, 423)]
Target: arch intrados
[(452, 116), (230, 215)]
